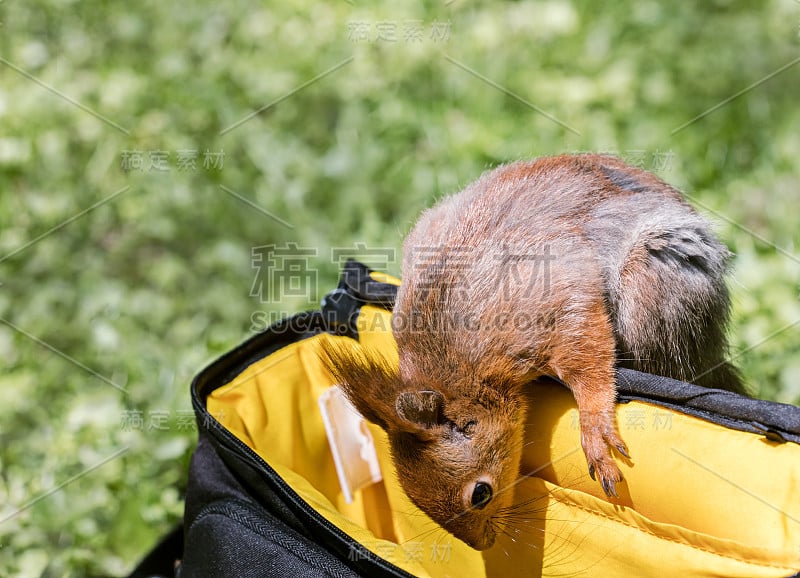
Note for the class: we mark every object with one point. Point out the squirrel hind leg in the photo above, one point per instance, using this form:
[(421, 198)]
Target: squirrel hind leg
[(671, 310)]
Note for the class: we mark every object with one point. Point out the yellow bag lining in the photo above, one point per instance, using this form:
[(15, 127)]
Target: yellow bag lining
[(272, 407), (696, 495)]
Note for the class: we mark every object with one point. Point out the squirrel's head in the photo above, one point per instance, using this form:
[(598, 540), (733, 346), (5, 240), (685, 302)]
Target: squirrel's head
[(458, 460), (456, 446)]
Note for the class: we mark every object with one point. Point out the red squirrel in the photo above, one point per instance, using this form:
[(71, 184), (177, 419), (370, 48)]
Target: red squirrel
[(562, 266)]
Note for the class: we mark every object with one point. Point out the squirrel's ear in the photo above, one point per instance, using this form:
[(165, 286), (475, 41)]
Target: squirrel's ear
[(423, 409), (367, 379)]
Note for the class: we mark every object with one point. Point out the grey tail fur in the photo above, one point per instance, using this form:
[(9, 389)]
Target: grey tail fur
[(672, 307)]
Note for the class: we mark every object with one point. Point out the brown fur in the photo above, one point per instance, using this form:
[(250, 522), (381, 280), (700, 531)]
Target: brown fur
[(565, 267)]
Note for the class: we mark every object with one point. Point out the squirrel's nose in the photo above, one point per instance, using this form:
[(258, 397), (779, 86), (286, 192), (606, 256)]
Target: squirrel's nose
[(482, 541)]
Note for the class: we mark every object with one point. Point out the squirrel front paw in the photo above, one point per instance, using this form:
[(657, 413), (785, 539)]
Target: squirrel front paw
[(598, 435)]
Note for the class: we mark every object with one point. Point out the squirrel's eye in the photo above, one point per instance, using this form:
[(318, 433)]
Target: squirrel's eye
[(481, 495), (469, 428)]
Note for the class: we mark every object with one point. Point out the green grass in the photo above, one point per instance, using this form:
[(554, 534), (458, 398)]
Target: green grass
[(118, 286)]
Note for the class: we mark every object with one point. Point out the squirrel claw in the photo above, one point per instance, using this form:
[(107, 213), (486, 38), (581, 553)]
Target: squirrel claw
[(608, 474), (599, 437), (609, 487)]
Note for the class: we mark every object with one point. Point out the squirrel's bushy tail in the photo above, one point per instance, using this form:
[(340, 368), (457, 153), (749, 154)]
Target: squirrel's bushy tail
[(672, 306)]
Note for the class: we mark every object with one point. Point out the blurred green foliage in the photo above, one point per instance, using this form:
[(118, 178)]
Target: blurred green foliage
[(132, 280)]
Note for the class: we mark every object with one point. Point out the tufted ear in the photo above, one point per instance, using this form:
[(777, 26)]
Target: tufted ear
[(423, 409), (367, 378)]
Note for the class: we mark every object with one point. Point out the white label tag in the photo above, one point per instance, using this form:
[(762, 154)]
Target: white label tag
[(351, 443)]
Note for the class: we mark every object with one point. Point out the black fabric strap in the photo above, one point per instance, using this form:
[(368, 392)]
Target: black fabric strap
[(778, 422), (357, 280)]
